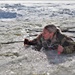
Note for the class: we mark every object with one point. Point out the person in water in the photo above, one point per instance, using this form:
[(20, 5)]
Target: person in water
[(51, 38)]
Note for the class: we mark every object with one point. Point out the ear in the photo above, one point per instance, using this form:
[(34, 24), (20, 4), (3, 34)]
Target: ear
[(51, 34)]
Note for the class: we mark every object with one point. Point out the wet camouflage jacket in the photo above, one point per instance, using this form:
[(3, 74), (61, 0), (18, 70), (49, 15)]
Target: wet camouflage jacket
[(58, 39)]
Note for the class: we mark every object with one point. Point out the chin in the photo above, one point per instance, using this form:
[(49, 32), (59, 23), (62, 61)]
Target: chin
[(46, 38)]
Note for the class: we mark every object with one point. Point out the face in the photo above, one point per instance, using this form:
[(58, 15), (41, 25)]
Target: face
[(46, 34)]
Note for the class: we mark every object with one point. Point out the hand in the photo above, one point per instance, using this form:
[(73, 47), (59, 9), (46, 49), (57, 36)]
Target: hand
[(26, 41), (60, 49)]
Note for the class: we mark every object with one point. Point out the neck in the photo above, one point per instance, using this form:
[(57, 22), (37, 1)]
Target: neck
[(53, 36)]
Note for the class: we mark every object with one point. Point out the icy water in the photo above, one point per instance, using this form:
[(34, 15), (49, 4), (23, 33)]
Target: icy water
[(23, 20), (19, 21)]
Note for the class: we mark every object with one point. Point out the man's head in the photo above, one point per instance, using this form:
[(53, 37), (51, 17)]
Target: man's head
[(49, 31)]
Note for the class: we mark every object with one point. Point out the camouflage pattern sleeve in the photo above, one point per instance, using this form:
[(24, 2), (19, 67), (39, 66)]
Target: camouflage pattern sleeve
[(38, 45), (68, 45)]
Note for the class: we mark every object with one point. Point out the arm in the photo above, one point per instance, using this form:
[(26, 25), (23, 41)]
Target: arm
[(36, 42), (32, 42), (66, 45)]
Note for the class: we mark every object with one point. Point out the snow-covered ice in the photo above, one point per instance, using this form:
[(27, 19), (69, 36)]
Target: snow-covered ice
[(21, 20)]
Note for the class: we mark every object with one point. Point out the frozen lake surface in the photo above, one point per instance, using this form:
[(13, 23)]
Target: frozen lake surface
[(21, 20)]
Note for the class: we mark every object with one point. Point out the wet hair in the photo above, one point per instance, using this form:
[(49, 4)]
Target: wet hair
[(52, 28)]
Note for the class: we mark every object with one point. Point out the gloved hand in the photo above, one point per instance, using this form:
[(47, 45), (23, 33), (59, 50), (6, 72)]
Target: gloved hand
[(26, 41)]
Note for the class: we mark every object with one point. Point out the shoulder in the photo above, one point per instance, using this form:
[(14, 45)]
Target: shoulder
[(40, 37), (63, 36), (60, 36)]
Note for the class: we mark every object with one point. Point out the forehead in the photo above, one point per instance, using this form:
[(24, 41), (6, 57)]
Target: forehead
[(45, 30)]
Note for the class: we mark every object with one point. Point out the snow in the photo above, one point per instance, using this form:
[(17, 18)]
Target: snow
[(29, 20)]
